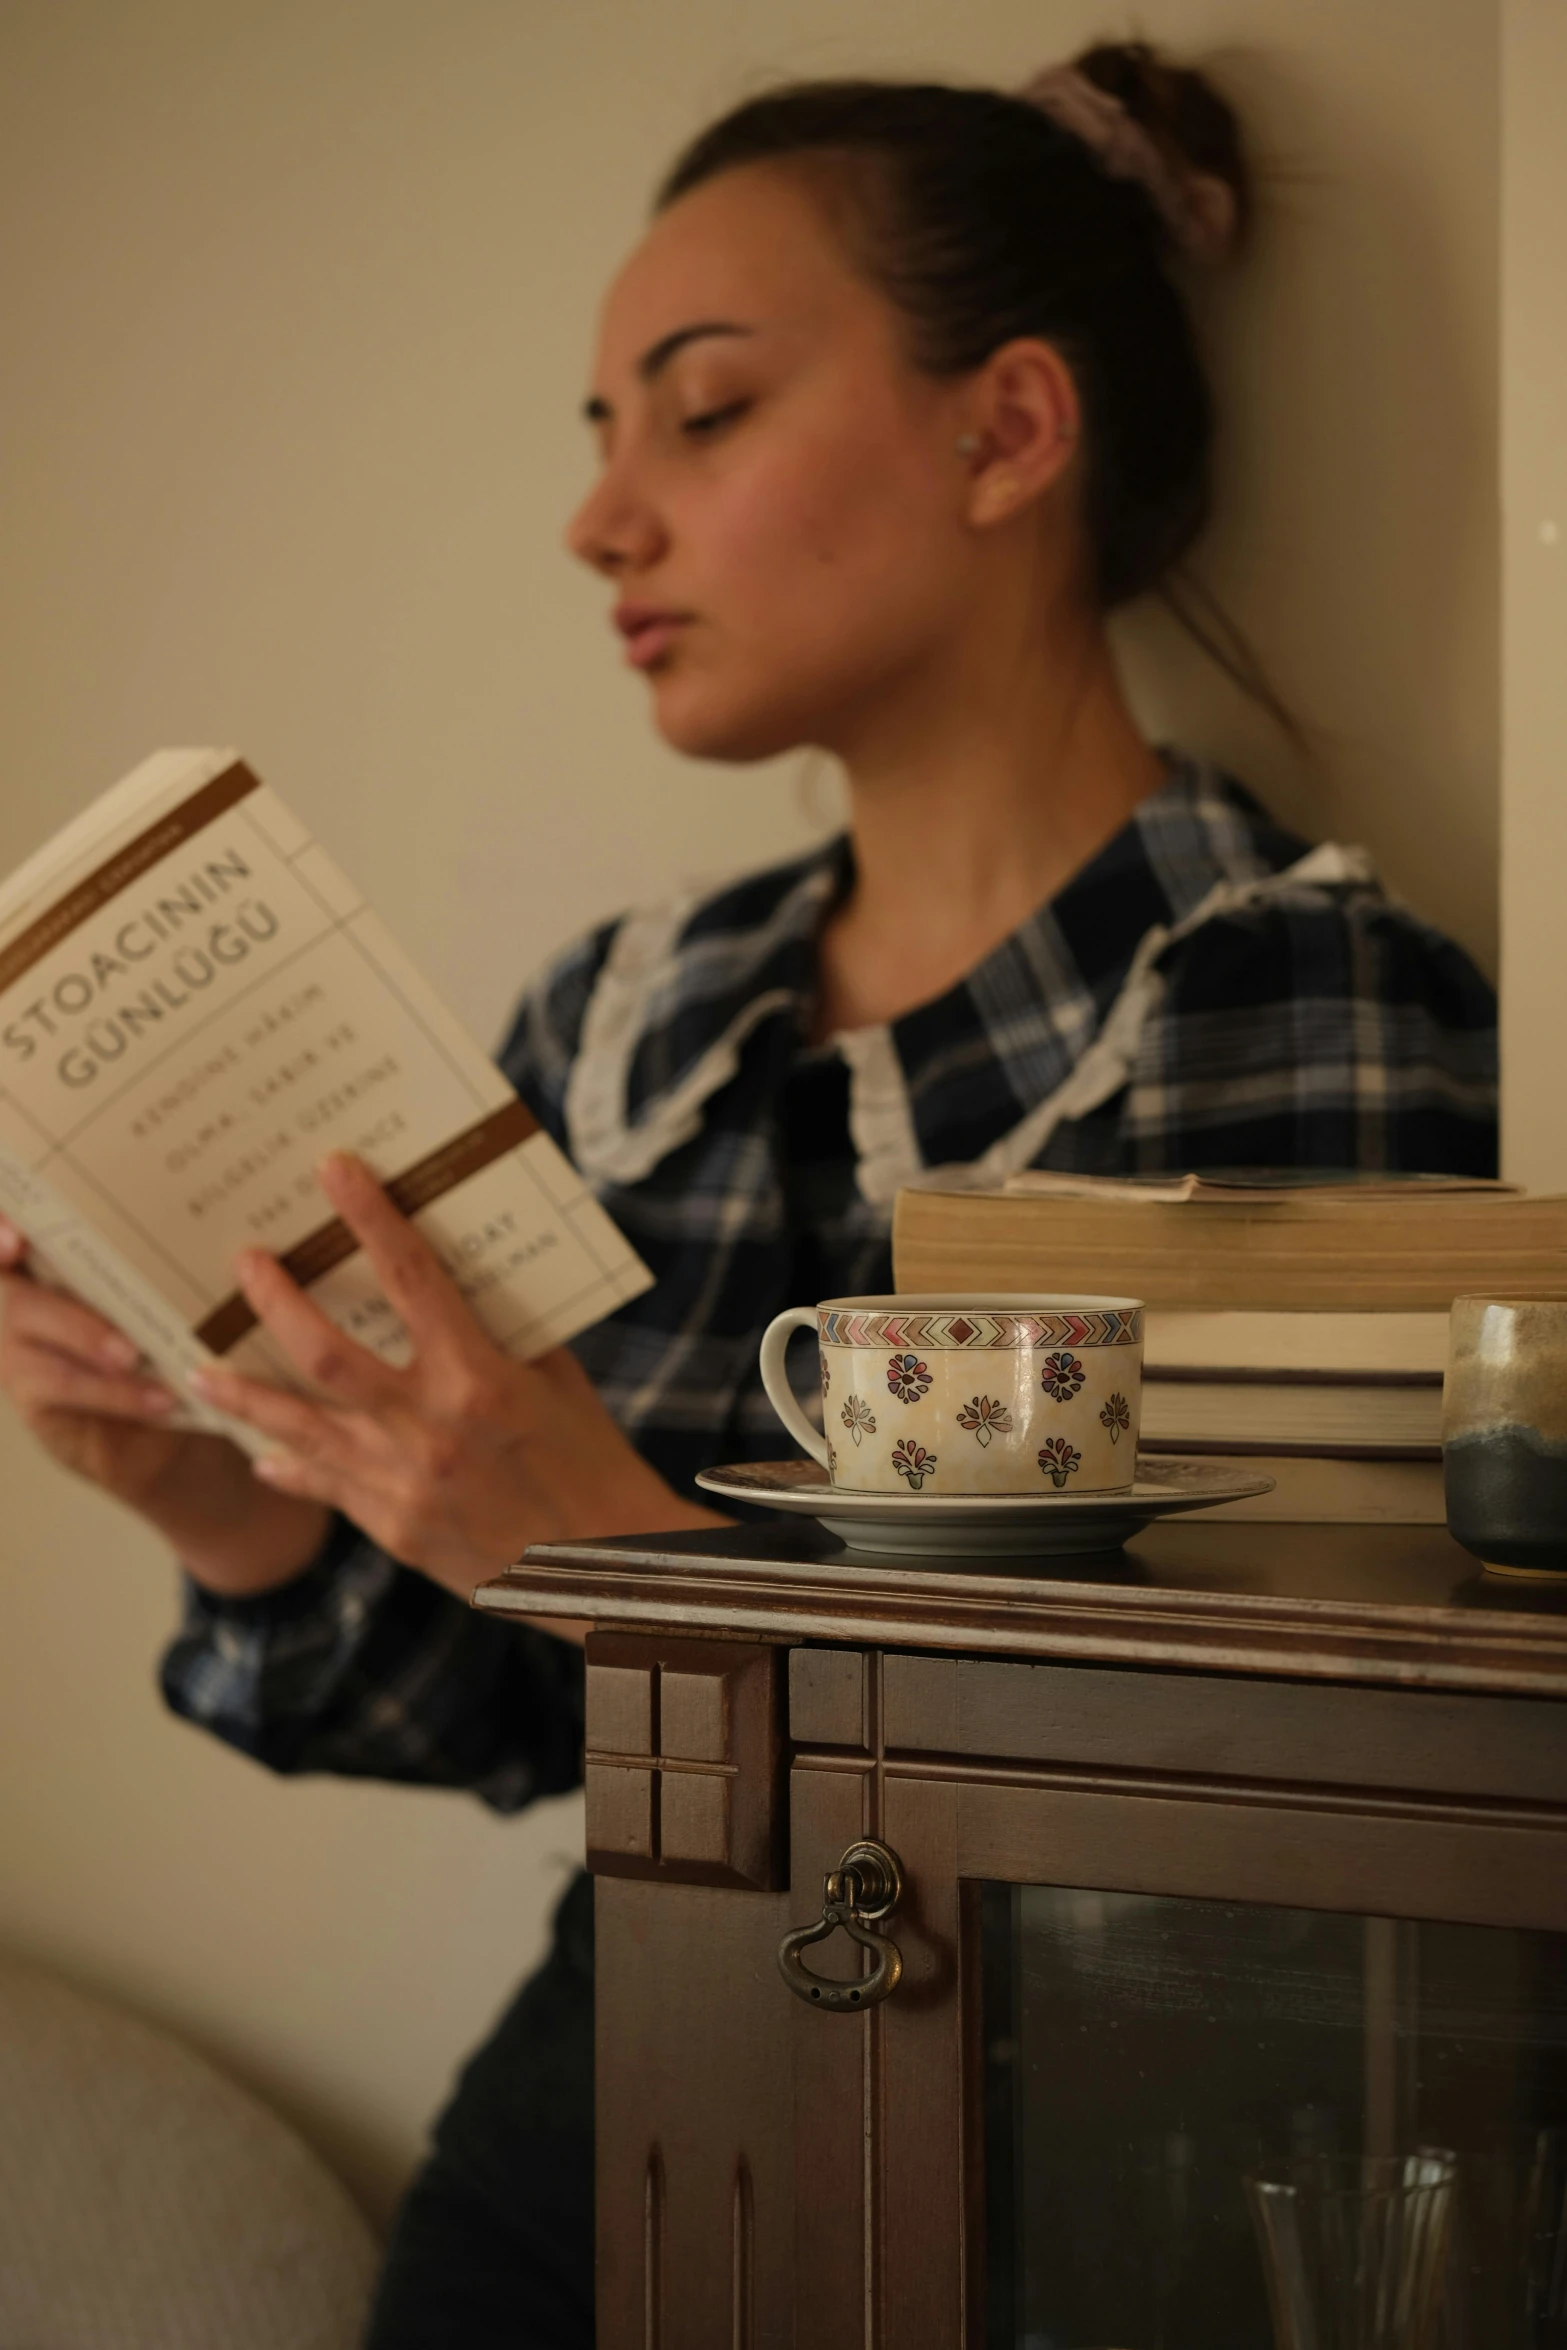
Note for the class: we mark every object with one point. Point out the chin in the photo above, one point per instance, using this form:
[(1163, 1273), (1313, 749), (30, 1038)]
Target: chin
[(704, 724)]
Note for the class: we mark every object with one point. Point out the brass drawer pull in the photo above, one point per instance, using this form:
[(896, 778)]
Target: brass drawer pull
[(862, 1890)]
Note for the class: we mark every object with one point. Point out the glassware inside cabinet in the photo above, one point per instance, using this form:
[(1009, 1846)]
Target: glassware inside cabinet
[(1145, 2058)]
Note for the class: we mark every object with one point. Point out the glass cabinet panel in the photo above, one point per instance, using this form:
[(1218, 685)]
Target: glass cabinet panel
[(1143, 2055)]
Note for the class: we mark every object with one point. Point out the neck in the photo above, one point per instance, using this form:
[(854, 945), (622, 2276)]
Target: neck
[(973, 800)]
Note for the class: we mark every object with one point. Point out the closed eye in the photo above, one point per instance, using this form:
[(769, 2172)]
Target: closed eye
[(713, 420)]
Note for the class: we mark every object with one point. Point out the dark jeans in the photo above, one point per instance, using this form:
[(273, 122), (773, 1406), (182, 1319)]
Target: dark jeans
[(493, 2247)]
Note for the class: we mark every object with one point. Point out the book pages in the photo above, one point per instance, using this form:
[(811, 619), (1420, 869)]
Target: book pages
[(196, 1006), (1322, 1251), (1247, 1185), (1352, 1345)]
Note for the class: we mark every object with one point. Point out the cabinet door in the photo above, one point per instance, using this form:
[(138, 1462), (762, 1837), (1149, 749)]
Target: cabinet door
[(695, 2109), (1162, 1931), (1146, 2055)]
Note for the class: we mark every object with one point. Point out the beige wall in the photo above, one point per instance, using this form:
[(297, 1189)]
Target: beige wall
[(297, 302), (1534, 592)]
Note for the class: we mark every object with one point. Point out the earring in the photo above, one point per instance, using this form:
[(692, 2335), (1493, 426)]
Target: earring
[(967, 444)]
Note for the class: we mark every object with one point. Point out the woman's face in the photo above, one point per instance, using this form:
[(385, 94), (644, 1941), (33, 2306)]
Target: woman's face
[(782, 505)]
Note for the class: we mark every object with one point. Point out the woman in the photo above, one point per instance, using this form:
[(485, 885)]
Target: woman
[(896, 401)]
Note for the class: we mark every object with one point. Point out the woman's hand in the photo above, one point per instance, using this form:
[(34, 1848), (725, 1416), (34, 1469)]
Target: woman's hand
[(456, 1463), (79, 1385), (83, 1390)]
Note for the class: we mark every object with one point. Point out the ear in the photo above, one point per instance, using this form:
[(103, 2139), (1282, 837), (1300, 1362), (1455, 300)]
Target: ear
[(1022, 419)]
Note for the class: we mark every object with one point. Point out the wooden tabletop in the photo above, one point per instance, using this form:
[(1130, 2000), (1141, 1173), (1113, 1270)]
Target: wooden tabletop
[(1398, 1605)]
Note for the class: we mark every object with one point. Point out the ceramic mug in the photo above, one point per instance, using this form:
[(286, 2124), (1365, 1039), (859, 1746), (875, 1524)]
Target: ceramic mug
[(1504, 1433), (942, 1395)]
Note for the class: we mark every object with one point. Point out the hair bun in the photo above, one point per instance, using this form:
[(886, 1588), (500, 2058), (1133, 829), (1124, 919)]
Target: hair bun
[(1194, 130), (1162, 127)]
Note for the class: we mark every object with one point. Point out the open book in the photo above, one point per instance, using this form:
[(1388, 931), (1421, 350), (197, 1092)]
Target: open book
[(195, 1007)]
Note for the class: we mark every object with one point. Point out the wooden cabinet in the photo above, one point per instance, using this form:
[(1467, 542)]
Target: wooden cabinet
[(1253, 1839)]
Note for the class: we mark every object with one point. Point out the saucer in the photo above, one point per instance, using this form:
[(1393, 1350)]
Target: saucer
[(1037, 1525)]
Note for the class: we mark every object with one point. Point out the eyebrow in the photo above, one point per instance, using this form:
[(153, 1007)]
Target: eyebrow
[(656, 358)]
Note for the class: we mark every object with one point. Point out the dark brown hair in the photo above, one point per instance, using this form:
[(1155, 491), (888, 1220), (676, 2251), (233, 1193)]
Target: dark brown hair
[(981, 220)]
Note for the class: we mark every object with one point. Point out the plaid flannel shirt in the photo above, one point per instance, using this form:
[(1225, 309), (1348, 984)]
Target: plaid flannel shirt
[(1203, 993)]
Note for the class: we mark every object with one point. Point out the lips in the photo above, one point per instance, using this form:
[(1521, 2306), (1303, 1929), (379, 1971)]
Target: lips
[(648, 631)]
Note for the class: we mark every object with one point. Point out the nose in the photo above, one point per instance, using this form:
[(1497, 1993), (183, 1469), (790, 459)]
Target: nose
[(615, 529)]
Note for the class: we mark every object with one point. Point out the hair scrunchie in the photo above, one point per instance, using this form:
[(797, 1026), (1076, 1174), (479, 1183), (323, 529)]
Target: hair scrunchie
[(1198, 209)]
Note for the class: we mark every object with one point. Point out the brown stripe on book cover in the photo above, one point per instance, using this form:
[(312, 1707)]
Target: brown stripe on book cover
[(426, 1180), (213, 800)]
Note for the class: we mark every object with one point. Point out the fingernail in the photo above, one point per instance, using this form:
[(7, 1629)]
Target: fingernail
[(203, 1386), (273, 1468), (250, 1262), (119, 1354), (10, 1244), (157, 1399), (337, 1164)]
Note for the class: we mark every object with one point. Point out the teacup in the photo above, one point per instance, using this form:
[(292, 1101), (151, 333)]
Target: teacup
[(942, 1395)]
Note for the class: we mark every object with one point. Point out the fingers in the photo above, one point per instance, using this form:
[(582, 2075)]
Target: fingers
[(348, 1460), (292, 1421), (322, 1453), (12, 1246), (40, 1317), (39, 1380), (316, 1450), (57, 1355), (403, 1261), (325, 1356), (305, 1480)]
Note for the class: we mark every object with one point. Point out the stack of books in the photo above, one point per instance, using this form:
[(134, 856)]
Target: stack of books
[(1296, 1329)]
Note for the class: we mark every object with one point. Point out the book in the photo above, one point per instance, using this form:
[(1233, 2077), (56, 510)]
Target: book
[(1228, 1342), (1329, 1491), (1357, 1383), (1412, 1250), (1295, 1411), (196, 1005), (1246, 1184)]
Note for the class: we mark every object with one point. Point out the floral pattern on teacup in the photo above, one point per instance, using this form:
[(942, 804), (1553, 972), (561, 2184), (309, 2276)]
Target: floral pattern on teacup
[(984, 1388), (1116, 1418), (911, 1460), (907, 1377), (1061, 1376), (985, 1416), (858, 1418), (1058, 1459)]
